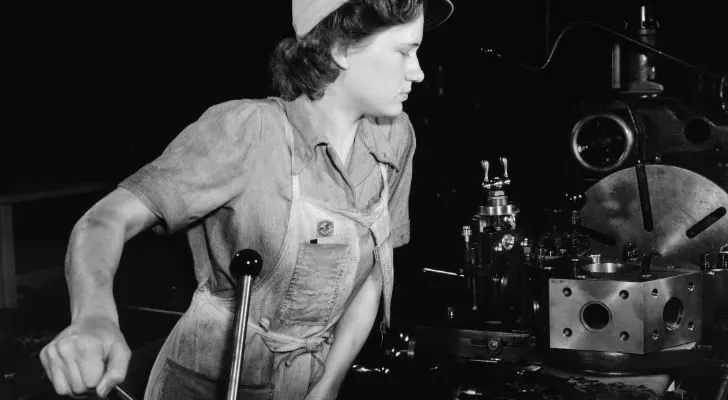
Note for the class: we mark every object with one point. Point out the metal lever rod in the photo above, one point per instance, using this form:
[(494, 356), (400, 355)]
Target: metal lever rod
[(486, 165), (123, 394), (441, 272), (245, 266), (504, 163)]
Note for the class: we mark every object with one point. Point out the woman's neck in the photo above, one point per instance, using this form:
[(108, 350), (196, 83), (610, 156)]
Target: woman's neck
[(339, 123)]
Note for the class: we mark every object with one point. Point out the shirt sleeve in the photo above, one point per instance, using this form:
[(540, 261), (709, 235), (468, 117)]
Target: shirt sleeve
[(204, 167), (401, 181)]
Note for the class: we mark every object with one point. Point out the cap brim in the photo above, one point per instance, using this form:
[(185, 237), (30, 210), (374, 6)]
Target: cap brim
[(437, 12)]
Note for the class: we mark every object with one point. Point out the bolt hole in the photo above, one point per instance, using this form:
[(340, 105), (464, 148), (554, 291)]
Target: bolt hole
[(566, 292), (624, 294), (595, 316), (567, 332), (624, 336), (691, 286), (654, 292), (696, 130), (691, 325), (672, 314), (655, 334)]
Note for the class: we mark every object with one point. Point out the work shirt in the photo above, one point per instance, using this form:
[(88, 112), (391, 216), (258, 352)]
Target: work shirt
[(227, 178)]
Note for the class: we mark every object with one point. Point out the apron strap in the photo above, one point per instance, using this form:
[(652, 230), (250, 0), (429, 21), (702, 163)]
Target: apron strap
[(296, 347)]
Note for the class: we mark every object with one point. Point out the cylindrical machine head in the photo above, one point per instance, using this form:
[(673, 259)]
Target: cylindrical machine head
[(246, 262)]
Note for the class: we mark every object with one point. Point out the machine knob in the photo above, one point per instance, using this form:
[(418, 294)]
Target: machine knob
[(723, 260), (497, 183), (705, 264), (504, 163), (630, 252), (246, 262), (486, 167)]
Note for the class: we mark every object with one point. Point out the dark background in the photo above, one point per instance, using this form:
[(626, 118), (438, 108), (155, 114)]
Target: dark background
[(91, 94)]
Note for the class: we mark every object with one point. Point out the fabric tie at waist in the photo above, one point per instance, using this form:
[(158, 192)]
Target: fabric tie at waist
[(279, 343)]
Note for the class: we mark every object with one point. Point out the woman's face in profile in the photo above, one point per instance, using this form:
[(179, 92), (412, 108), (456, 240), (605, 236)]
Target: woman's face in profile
[(379, 74)]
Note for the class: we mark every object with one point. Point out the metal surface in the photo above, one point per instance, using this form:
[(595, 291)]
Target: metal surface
[(241, 325), (628, 315), (509, 209), (445, 342), (614, 363), (609, 268), (686, 211), (719, 279)]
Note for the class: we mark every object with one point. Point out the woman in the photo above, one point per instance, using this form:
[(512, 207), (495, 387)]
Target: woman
[(316, 181)]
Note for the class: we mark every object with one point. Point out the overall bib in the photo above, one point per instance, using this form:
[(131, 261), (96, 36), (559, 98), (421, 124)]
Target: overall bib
[(295, 305)]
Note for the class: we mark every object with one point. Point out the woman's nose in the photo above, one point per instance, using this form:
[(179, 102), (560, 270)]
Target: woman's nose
[(416, 74)]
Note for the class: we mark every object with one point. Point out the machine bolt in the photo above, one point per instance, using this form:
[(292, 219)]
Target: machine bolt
[(624, 294), (723, 260), (567, 332), (705, 264), (630, 252), (467, 232), (624, 336), (566, 292)]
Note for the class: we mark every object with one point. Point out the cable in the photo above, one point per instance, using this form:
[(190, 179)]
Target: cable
[(622, 36)]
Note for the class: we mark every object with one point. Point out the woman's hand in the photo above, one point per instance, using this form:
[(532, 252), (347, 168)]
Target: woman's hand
[(91, 354)]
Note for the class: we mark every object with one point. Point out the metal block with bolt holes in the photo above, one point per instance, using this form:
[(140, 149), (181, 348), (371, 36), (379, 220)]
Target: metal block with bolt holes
[(636, 316)]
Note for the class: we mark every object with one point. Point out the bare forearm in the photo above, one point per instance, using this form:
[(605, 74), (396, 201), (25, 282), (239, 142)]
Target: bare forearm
[(352, 331), (95, 248), (93, 255)]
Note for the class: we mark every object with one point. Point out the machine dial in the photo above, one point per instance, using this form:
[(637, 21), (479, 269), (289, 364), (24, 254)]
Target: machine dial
[(601, 142)]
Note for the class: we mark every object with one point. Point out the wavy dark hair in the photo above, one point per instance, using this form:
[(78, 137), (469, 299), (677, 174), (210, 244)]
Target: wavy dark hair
[(305, 65)]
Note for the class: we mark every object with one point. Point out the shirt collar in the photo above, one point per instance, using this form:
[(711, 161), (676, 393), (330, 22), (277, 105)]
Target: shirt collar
[(309, 133)]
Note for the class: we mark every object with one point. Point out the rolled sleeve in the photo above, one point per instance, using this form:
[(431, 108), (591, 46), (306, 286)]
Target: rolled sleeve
[(159, 193), (204, 167), (401, 183)]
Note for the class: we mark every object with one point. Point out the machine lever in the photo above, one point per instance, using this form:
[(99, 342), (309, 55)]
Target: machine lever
[(442, 272), (504, 163), (246, 265), (486, 167)]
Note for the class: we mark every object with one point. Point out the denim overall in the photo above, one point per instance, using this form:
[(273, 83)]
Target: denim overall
[(294, 307)]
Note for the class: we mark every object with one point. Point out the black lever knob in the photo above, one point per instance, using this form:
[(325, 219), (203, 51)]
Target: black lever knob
[(246, 262)]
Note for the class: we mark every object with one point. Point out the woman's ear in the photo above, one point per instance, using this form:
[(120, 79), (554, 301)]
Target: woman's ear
[(340, 55)]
